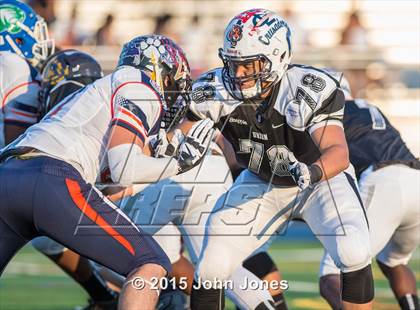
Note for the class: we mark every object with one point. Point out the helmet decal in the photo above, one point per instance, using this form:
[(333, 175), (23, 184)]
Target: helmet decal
[(234, 35), (10, 18)]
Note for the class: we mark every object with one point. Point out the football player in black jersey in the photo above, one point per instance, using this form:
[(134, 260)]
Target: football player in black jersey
[(284, 124), (389, 179)]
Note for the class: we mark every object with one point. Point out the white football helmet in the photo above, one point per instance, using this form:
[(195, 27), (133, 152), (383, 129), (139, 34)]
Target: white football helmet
[(260, 41)]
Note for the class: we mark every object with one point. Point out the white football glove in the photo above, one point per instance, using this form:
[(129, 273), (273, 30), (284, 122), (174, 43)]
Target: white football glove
[(195, 145), (301, 174), (163, 148)]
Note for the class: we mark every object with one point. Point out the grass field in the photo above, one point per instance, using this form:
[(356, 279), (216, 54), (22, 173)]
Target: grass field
[(31, 282)]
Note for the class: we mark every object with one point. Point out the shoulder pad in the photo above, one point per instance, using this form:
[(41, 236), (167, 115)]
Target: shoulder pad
[(209, 86), (14, 65), (210, 97), (303, 91)]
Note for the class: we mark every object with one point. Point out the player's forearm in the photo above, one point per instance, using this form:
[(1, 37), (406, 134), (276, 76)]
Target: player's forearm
[(334, 159), (128, 166), (228, 152)]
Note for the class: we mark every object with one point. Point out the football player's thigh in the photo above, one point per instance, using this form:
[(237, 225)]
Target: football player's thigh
[(78, 216), (335, 215), (193, 221), (399, 249), (169, 239), (406, 237), (10, 243), (382, 197), (212, 180), (154, 205), (243, 219)]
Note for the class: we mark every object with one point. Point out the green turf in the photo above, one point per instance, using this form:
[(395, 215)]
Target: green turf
[(31, 282)]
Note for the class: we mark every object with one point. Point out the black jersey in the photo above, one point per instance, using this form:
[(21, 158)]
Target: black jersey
[(267, 136), (371, 138)]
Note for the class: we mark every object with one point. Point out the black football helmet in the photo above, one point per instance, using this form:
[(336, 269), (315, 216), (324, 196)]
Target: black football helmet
[(64, 73)]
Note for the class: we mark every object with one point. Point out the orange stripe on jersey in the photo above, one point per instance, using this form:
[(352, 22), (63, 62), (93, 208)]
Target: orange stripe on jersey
[(3, 103), (132, 116), (80, 201), (136, 129)]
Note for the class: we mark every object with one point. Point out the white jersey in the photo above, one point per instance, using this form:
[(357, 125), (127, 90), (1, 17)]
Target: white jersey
[(18, 93), (77, 130)]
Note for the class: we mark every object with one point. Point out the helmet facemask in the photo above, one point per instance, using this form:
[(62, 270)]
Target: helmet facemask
[(50, 97), (42, 46), (248, 77), (45, 46), (177, 99)]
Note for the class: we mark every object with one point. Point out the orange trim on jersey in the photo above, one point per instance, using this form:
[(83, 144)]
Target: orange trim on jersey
[(80, 201), (25, 114), (138, 82), (143, 133), (13, 89), (132, 116)]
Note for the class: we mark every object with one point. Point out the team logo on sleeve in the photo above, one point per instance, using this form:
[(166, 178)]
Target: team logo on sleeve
[(10, 18)]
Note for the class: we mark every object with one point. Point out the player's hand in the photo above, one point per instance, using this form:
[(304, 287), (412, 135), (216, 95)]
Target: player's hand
[(195, 145), (164, 148), (301, 174)]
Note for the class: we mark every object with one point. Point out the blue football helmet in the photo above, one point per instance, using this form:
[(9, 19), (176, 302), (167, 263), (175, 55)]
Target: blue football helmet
[(23, 32)]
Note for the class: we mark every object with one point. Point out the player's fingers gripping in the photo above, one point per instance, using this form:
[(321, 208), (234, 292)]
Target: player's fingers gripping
[(163, 148), (195, 145), (300, 173)]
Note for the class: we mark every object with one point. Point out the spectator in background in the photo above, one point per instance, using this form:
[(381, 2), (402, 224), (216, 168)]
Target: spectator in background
[(45, 9), (72, 35), (193, 42), (300, 36), (354, 33), (163, 26), (104, 35)]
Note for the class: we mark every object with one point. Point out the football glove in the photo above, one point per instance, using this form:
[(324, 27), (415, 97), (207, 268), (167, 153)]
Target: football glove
[(195, 145), (303, 175), (163, 148)]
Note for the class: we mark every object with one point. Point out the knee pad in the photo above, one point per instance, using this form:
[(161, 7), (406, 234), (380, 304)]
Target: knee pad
[(215, 266), (357, 286), (260, 264), (353, 253)]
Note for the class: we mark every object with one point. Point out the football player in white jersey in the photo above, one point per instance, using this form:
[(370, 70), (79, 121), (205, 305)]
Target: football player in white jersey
[(51, 168), (284, 123), (389, 179), (24, 45), (24, 49)]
